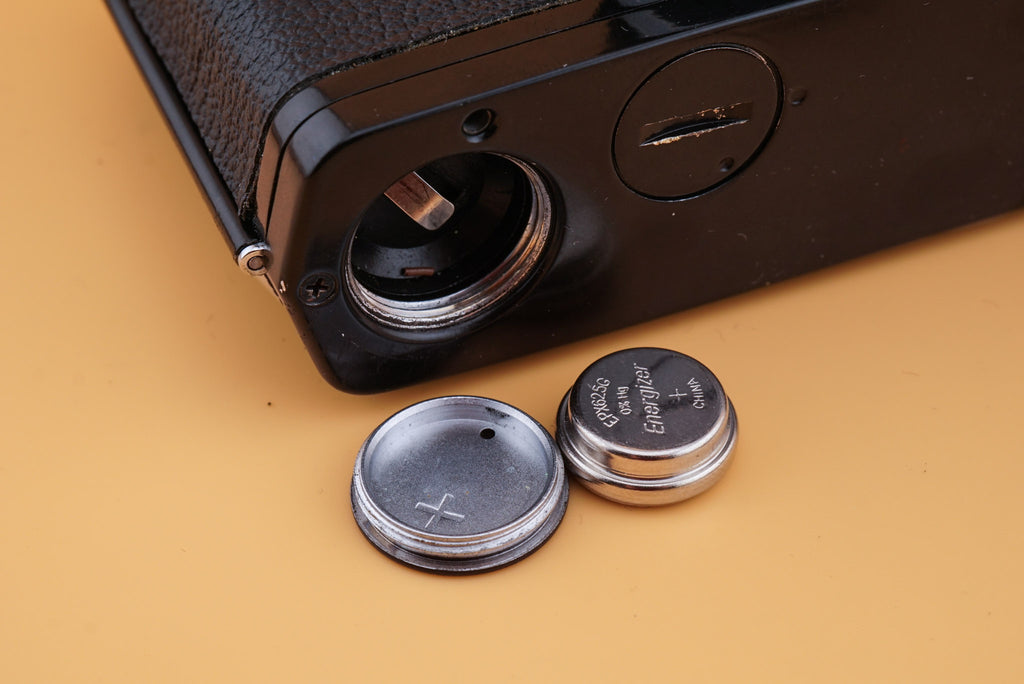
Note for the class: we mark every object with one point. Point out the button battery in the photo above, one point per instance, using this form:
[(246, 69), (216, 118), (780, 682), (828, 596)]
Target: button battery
[(646, 427), (458, 485)]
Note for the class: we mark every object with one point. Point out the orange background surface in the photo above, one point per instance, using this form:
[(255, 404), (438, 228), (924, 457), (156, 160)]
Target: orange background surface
[(174, 473)]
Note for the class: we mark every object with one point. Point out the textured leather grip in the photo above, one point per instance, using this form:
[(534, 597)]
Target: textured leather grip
[(235, 61)]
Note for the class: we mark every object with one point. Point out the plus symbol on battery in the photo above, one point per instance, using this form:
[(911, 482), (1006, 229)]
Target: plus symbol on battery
[(438, 511)]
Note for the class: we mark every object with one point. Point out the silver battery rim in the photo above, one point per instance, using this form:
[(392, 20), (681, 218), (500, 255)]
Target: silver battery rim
[(637, 491)]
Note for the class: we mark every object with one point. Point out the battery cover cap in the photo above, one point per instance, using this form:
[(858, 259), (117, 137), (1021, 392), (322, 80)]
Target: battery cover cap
[(459, 484)]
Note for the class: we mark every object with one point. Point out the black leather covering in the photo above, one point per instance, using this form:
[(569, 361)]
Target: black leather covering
[(235, 61)]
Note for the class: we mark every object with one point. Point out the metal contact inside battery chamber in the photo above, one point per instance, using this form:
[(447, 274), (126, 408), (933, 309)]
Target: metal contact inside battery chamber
[(449, 241)]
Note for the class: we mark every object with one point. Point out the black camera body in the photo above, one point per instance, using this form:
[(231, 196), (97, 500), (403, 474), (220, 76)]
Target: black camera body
[(430, 187)]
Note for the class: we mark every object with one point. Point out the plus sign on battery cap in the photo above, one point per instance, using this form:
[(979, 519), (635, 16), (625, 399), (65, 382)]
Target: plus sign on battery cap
[(459, 485), (646, 427)]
